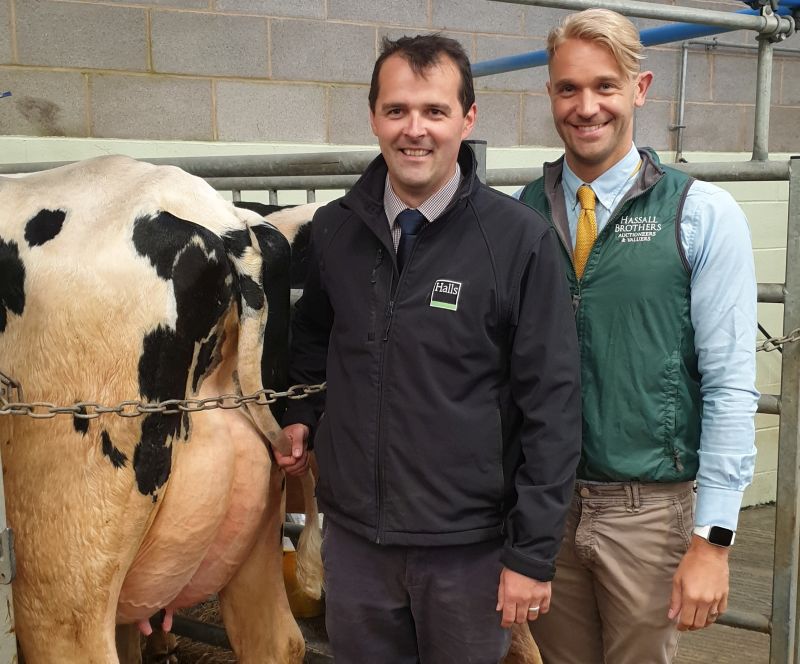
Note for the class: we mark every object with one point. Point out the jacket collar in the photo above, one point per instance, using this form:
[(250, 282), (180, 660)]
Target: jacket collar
[(365, 199)]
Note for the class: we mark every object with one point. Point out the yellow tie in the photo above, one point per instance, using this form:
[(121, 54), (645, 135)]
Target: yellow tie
[(587, 228)]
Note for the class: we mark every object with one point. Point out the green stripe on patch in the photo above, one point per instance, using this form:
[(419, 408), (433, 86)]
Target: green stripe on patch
[(444, 305)]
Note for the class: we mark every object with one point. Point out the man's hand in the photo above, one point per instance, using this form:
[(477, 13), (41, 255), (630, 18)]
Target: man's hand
[(295, 464), (700, 586), (517, 594)]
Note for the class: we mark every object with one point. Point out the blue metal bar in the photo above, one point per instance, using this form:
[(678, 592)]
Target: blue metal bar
[(4, 94), (652, 37), (784, 4)]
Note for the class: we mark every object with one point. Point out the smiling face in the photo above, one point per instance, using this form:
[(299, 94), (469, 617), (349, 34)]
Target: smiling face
[(419, 123), (593, 100)]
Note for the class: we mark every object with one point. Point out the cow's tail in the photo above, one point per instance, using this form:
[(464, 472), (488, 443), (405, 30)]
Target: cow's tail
[(309, 557)]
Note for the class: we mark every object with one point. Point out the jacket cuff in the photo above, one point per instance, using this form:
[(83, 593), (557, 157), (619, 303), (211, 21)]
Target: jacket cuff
[(527, 566), (299, 412)]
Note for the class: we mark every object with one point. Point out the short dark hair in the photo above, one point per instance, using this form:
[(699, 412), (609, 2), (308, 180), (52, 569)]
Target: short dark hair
[(422, 52)]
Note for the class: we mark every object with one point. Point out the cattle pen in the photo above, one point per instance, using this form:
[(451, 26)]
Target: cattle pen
[(337, 171), (314, 172)]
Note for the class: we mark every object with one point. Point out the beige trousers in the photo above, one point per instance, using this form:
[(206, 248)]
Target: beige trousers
[(611, 592)]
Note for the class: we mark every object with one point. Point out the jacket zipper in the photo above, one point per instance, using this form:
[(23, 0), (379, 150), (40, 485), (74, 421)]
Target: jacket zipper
[(373, 280), (393, 295), (676, 459), (576, 297), (378, 474), (389, 317), (389, 314), (378, 465)]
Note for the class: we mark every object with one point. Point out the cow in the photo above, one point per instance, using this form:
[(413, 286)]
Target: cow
[(124, 283), (295, 225)]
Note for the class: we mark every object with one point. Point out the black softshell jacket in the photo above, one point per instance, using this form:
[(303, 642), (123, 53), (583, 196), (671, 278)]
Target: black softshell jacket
[(452, 414)]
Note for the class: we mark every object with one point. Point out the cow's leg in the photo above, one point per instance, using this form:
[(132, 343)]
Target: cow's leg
[(99, 648), (129, 649), (75, 515), (254, 605)]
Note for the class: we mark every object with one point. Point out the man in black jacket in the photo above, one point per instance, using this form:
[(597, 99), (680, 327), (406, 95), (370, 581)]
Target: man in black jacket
[(437, 310)]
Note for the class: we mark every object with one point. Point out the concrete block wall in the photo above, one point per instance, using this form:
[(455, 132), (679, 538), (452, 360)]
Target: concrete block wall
[(297, 72)]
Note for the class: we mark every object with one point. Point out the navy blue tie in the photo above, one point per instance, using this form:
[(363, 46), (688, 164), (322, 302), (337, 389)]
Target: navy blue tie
[(410, 221)]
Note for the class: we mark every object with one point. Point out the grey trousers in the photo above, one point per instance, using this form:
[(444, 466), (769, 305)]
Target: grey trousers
[(622, 545), (409, 605)]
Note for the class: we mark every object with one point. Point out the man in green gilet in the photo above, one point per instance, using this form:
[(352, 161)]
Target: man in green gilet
[(662, 279)]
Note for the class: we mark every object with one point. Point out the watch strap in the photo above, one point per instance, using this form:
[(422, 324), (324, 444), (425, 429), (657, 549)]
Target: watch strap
[(716, 535)]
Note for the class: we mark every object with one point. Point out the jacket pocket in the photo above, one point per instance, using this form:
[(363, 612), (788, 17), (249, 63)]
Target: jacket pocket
[(669, 411), (374, 299), (683, 505)]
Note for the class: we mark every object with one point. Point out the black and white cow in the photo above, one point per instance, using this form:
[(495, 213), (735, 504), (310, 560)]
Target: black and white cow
[(121, 280)]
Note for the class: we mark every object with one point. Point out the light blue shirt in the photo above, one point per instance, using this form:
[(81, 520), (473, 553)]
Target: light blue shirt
[(716, 240)]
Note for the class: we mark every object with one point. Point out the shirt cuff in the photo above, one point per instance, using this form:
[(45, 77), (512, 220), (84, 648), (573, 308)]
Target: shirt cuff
[(717, 507)]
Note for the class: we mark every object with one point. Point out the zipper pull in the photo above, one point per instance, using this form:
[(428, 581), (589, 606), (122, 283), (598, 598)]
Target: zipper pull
[(676, 459), (576, 302), (389, 312), (378, 260)]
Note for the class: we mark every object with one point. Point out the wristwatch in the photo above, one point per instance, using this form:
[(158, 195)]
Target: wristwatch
[(716, 535)]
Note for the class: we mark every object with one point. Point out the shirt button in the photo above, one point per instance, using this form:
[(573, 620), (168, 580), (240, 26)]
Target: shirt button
[(585, 493)]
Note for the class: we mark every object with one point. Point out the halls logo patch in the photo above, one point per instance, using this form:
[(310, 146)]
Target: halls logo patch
[(445, 294), (637, 229)]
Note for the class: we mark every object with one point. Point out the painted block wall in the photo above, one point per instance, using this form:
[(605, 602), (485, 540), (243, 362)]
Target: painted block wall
[(297, 71)]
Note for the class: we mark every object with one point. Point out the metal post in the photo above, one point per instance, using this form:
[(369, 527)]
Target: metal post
[(763, 99), (785, 637), (771, 24), (680, 125), (8, 639)]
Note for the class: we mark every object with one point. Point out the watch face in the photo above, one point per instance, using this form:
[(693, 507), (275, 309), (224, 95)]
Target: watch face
[(720, 536)]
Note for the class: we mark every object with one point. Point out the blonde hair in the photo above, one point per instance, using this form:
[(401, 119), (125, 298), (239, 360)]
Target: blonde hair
[(605, 27)]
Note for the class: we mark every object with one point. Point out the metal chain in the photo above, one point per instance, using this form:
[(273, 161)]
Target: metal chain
[(8, 388), (89, 410), (12, 403), (774, 342)]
